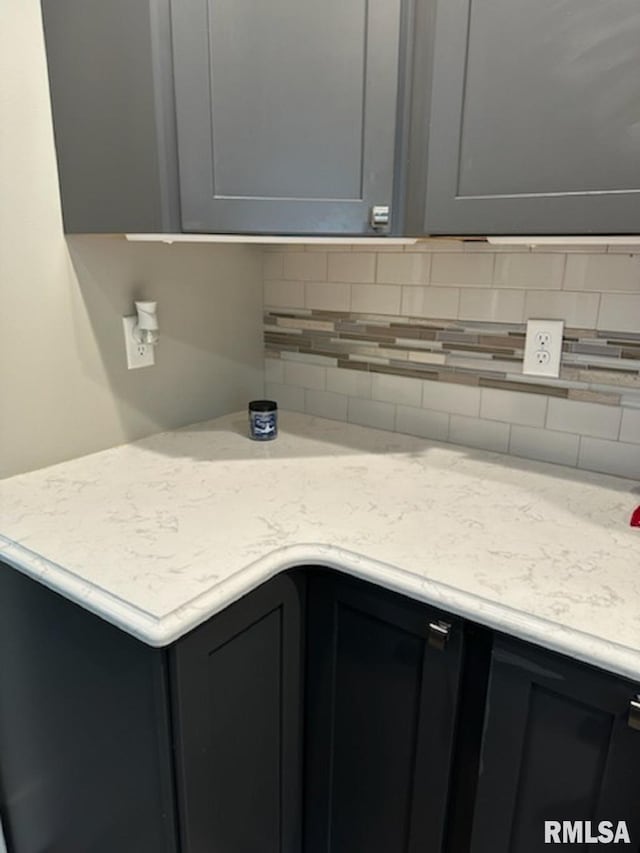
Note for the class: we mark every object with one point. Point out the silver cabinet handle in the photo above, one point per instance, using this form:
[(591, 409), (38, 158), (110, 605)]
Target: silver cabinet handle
[(438, 635), (379, 217), (634, 713)]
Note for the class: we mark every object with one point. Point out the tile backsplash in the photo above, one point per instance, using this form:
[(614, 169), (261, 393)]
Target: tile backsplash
[(428, 340)]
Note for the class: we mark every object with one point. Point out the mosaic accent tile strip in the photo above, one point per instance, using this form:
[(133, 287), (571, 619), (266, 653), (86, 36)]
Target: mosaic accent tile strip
[(597, 366)]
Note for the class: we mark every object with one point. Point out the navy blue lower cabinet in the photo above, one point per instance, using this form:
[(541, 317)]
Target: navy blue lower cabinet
[(237, 682), (85, 738), (382, 693), (110, 746), (559, 746), (317, 714)]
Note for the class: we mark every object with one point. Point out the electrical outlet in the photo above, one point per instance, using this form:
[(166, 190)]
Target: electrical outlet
[(542, 356), (138, 355), (543, 347), (543, 339)]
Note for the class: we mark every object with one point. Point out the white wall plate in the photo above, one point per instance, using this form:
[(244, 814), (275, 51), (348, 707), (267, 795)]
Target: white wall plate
[(138, 355), (543, 347)]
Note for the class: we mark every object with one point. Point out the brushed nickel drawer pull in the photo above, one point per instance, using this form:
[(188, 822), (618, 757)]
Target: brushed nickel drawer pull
[(438, 635)]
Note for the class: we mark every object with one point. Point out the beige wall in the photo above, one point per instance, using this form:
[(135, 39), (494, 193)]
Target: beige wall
[(64, 386)]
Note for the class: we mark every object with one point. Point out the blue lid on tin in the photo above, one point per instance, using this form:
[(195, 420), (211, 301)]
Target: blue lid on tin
[(263, 406)]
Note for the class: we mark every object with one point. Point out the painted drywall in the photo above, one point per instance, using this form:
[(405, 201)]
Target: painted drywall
[(428, 340), (64, 387)]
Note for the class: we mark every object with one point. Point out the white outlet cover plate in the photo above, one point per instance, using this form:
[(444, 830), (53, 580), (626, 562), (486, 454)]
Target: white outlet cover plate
[(532, 348), (138, 355)]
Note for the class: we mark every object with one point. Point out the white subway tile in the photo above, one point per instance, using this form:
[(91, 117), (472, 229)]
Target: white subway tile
[(452, 398), (273, 370), (441, 302), (407, 268), (286, 396), (371, 413), (610, 457), (500, 306), (375, 298), (327, 296), (352, 266), (630, 429), (488, 435), (576, 309), (284, 294), (306, 375), (396, 389), (422, 422), (272, 264), (603, 272), (619, 312), (354, 383), (325, 404), (466, 269), (544, 444), (591, 419), (538, 272), (513, 407), (305, 266)]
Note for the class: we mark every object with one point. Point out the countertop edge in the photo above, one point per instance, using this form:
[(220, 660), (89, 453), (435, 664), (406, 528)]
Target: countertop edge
[(163, 631)]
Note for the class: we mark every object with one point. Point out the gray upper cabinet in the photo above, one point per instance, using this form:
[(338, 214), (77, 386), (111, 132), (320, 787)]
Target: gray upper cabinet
[(225, 115), (535, 118), (286, 113)]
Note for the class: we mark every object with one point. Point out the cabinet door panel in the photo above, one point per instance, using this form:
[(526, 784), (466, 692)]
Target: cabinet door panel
[(286, 112), (556, 747), (535, 112), (238, 704), (381, 708), (85, 740)]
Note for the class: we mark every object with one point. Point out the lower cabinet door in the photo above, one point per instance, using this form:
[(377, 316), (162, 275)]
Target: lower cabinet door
[(558, 746), (238, 710), (85, 742), (381, 708)]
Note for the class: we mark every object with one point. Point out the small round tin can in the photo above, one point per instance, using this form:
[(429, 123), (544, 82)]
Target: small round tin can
[(263, 420)]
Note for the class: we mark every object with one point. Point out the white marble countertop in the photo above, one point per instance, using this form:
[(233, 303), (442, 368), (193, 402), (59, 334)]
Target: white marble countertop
[(158, 535)]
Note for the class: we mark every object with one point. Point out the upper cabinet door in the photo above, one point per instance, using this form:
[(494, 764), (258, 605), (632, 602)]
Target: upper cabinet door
[(535, 118), (286, 113)]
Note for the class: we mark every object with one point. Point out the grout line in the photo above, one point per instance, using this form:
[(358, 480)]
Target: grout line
[(429, 265), (564, 271), (509, 440), (546, 413), (598, 310)]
